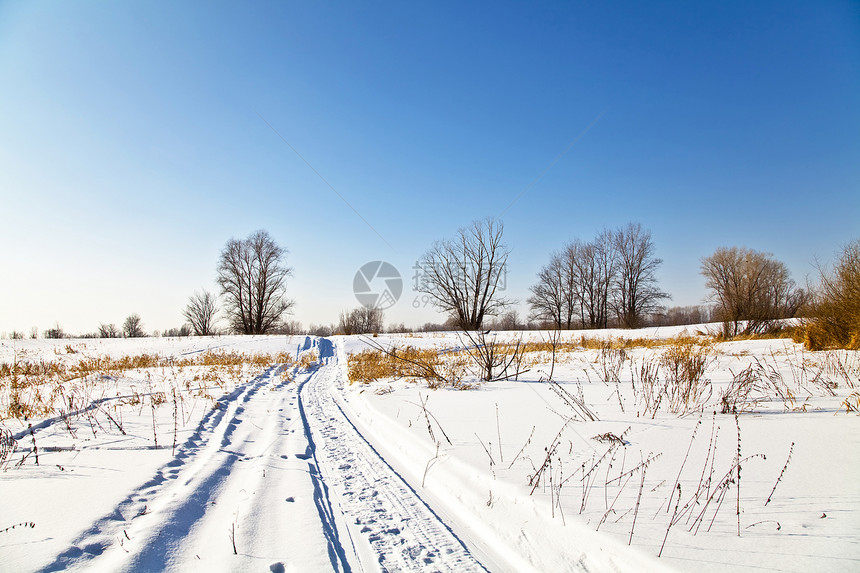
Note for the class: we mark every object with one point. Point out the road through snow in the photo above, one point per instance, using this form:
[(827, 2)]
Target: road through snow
[(379, 506), (276, 478)]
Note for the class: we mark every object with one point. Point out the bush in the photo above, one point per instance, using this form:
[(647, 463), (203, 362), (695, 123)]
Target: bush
[(684, 365), (436, 368), (361, 320), (835, 320), (750, 289), (55, 333), (133, 327)]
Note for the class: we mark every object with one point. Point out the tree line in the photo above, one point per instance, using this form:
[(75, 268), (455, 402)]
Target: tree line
[(587, 284), (610, 280)]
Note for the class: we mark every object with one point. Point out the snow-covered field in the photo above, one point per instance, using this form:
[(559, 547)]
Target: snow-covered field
[(282, 464)]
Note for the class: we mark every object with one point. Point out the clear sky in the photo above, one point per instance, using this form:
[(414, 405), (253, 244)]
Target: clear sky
[(132, 145)]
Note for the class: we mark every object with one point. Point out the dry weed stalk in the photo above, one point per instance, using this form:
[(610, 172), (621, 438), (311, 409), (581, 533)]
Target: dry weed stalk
[(648, 392), (33, 437), (493, 360), (528, 441), (611, 359), (23, 524), (427, 416), (589, 477), (499, 435), (686, 387), (175, 421), (575, 403), (431, 462), (672, 521), (852, 403), (738, 426), (744, 392), (805, 372), (232, 535), (638, 501), (845, 364), (683, 463), (7, 446), (489, 454), (553, 340), (535, 479), (781, 473)]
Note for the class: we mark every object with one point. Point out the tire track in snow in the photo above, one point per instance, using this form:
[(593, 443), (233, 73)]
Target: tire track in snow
[(217, 423), (383, 510), (280, 469), (244, 472)]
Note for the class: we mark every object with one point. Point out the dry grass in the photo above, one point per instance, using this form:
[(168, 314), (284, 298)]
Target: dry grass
[(843, 365), (743, 393), (610, 360), (42, 388), (631, 343), (684, 365), (435, 367), (308, 360), (675, 379), (852, 403), (446, 367), (835, 321)]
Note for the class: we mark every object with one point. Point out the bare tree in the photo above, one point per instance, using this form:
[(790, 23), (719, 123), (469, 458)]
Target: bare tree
[(576, 284), (133, 326), (606, 267), (464, 275), (549, 300), (109, 331), (55, 332), (749, 286), (361, 320), (636, 294), (253, 280), (321, 330), (200, 313), (510, 320), (592, 269), (291, 327), (679, 315), (588, 281), (174, 332)]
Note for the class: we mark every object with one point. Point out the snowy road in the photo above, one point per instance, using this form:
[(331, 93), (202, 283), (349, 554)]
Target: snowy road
[(380, 508), (276, 478)]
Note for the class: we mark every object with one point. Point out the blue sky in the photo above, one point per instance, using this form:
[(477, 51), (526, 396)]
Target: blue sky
[(131, 148)]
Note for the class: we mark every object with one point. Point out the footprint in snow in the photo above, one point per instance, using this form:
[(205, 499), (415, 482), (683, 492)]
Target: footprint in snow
[(94, 548)]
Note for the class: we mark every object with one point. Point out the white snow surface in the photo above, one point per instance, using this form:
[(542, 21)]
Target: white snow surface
[(297, 469)]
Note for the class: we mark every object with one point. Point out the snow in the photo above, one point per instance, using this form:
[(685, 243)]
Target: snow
[(306, 471)]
